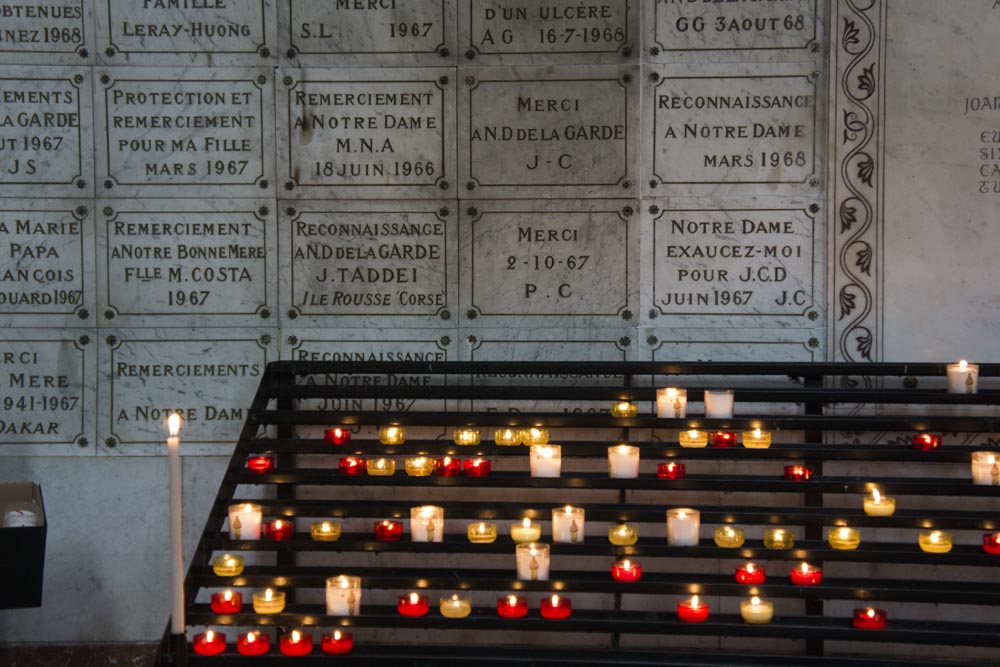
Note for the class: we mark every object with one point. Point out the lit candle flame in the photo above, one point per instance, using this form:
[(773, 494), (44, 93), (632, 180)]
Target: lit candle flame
[(623, 449), (555, 600), (392, 431), (750, 568), (227, 596), (671, 466), (756, 433), (339, 432), (326, 527), (569, 509), (251, 637), (248, 508), (344, 583), (671, 392), (627, 564), (209, 636), (845, 533), (682, 514), (870, 613), (230, 561), (526, 522), (729, 532), (935, 536), (277, 524), (755, 601), (337, 634), (963, 364), (174, 424), (805, 568), (876, 497), (547, 452), (447, 460), (694, 601), (512, 600), (296, 636), (268, 594), (693, 433), (414, 598), (779, 534), (508, 434), (623, 406), (482, 527)]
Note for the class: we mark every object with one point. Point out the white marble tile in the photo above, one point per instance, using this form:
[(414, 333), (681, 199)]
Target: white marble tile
[(49, 32)]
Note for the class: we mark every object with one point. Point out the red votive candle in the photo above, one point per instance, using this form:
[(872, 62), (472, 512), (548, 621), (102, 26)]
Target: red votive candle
[(806, 575), (925, 442), (869, 618), (511, 606), (227, 602), (692, 610), (352, 466), (477, 467), (750, 574), (722, 439), (671, 470), (991, 543), (278, 530), (209, 642), (253, 643), (337, 642), (388, 531), (556, 608), (448, 466), (261, 463), (627, 571), (413, 604), (798, 473), (337, 436), (296, 643)]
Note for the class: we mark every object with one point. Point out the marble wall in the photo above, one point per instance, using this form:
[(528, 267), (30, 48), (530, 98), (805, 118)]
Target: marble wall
[(192, 190)]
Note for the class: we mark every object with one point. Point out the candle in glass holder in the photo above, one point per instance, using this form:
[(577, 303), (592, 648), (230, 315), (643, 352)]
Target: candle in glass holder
[(392, 435), (209, 642), (671, 402), (671, 470), (545, 460), (534, 436), (296, 643), (337, 643), (507, 437), (756, 439), (455, 606), (336, 436), (512, 606), (343, 595), (448, 466), (756, 611), (227, 565), (466, 436), (244, 521), (963, 378), (692, 610), (381, 467), (869, 618), (750, 574), (682, 527), (269, 602), (413, 605), (525, 531), (728, 537), (779, 538), (226, 602), (844, 538), (427, 523), (986, 468), (278, 530), (568, 524), (879, 505), (482, 533), (693, 438), (624, 409), (626, 571), (253, 643), (623, 535), (388, 531), (261, 463), (798, 473), (556, 608), (352, 466), (991, 543), (722, 439), (623, 462), (926, 442), (806, 575), (935, 542), (532, 561), (719, 403), (419, 466), (477, 467), (325, 531)]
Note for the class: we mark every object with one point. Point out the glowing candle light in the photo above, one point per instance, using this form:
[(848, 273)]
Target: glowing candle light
[(963, 378), (844, 539), (526, 531), (878, 505), (337, 643), (693, 438), (756, 611), (806, 575), (692, 610), (671, 402), (556, 608)]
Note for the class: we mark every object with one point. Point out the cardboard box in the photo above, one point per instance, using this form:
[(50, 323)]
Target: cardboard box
[(22, 550)]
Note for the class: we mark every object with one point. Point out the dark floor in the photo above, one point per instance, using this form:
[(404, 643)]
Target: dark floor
[(78, 655)]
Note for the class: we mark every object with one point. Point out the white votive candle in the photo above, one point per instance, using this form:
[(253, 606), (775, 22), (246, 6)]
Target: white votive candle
[(963, 378), (623, 462), (568, 524), (986, 468), (532, 561), (545, 460), (671, 402), (343, 596), (244, 521), (427, 523), (682, 527), (719, 403)]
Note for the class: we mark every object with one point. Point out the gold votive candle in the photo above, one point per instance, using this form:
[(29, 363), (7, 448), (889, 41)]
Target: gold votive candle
[(623, 535), (879, 505), (624, 409), (227, 565), (525, 531), (844, 538), (534, 436), (779, 538), (269, 602), (420, 466), (466, 436), (482, 533), (935, 542), (392, 435), (694, 438), (728, 537), (456, 606), (325, 531), (507, 437), (756, 439), (756, 611), (382, 467)]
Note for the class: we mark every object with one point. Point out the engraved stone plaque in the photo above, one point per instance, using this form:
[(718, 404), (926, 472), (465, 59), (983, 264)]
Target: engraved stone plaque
[(549, 132), (47, 272), (759, 262), (702, 344), (182, 262), (48, 391), (717, 127), (359, 33), (47, 32), (187, 132), (355, 264), (208, 376), (366, 133), (784, 30), (191, 32), (46, 131), (538, 263), (498, 32)]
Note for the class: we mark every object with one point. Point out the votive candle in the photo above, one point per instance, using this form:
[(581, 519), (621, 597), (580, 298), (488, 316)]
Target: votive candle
[(806, 575), (879, 505), (722, 439), (427, 523), (626, 571), (392, 435), (278, 530), (935, 542), (534, 436), (226, 602), (296, 643), (336, 436), (750, 574), (719, 403), (779, 538), (870, 618), (413, 605), (991, 543), (532, 561), (728, 537), (525, 531), (844, 538), (388, 531), (963, 378), (209, 642), (261, 463), (693, 439), (419, 466), (455, 606), (448, 466), (337, 642), (482, 533), (624, 409), (545, 460), (381, 467), (671, 470), (268, 602), (756, 611), (623, 462), (466, 436), (352, 466), (568, 524), (986, 468), (756, 439), (343, 595), (926, 442), (798, 473), (682, 527), (512, 606), (671, 402), (227, 565), (253, 643), (692, 610), (325, 531), (507, 437), (477, 467), (556, 608), (623, 534), (244, 521)]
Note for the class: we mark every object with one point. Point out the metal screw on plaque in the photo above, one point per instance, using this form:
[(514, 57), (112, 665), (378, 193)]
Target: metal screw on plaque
[(472, 211), (652, 340), (265, 339), (265, 52), (110, 52), (290, 211), (627, 211), (470, 80), (84, 53), (653, 51), (82, 442), (626, 185), (814, 182), (627, 79), (817, 74), (470, 54), (814, 343), (81, 211), (653, 76), (626, 51), (443, 81), (911, 382), (813, 315), (471, 314), (292, 315), (289, 185), (444, 212), (291, 53), (445, 340), (654, 209), (814, 208), (263, 184), (78, 78), (265, 313), (444, 185), (263, 210), (626, 315), (292, 340), (625, 341), (80, 183), (109, 314), (445, 315), (84, 340), (108, 211), (470, 185), (287, 80), (111, 340), (105, 78), (444, 52), (108, 183), (814, 47), (83, 314), (262, 79), (653, 184), (653, 314), (110, 443), (471, 340)]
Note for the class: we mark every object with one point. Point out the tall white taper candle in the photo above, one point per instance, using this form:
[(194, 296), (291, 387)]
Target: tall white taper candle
[(176, 525)]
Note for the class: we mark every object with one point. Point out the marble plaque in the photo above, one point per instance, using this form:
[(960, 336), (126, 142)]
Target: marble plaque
[(706, 30), (46, 131), (192, 32), (186, 132), (47, 32), (207, 376), (732, 344), (47, 272), (48, 391), (756, 263), (539, 263), (501, 32), (723, 126), (549, 132), (357, 264), (181, 262), (367, 133), (360, 33)]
